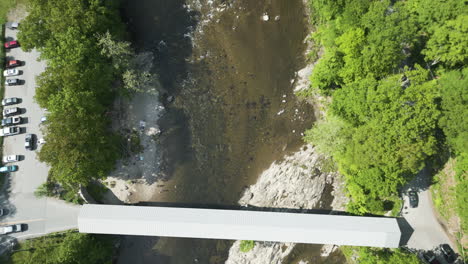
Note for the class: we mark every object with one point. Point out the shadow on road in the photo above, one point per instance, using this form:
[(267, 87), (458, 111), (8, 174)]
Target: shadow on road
[(9, 208), (406, 231)]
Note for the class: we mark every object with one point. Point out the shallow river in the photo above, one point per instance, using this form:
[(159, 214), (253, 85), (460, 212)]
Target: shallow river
[(234, 111)]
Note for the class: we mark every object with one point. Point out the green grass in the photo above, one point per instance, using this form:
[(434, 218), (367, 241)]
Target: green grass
[(246, 245), (5, 6), (443, 195), (449, 197)]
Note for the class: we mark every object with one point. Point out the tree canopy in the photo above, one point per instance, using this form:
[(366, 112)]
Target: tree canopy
[(67, 248), (396, 73), (77, 86)]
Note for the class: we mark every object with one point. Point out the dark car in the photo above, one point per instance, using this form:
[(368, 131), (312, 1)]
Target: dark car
[(13, 63), (10, 101), (429, 258), (11, 44), (10, 82), (449, 255), (29, 142), (413, 199)]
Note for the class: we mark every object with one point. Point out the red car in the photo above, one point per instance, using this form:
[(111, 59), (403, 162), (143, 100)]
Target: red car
[(13, 63), (11, 44)]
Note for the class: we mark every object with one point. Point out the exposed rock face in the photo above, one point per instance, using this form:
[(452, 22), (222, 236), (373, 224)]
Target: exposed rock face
[(263, 252), (297, 182)]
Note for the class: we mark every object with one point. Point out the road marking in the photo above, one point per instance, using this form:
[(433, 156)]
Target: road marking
[(22, 222)]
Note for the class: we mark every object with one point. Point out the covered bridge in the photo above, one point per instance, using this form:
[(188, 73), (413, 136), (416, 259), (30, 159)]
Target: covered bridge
[(239, 225)]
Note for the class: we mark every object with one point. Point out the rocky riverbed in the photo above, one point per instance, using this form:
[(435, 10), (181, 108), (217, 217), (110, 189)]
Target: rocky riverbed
[(299, 181)]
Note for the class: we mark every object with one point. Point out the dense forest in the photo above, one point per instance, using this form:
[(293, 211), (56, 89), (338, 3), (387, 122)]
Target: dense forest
[(78, 86), (65, 248), (396, 72)]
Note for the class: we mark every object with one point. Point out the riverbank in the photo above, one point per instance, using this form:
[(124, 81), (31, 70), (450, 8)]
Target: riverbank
[(304, 181)]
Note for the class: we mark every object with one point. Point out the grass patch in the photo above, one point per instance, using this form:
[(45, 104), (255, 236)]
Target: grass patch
[(443, 194), (6, 5), (449, 196), (246, 245)]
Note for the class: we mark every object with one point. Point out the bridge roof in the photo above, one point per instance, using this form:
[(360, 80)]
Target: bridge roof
[(239, 225)]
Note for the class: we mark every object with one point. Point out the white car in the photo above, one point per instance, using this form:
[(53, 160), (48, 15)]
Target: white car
[(12, 25), (11, 111), (10, 229), (10, 101), (11, 72), (11, 158), (9, 131)]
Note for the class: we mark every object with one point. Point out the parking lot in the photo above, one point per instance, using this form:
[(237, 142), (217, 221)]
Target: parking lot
[(42, 215)]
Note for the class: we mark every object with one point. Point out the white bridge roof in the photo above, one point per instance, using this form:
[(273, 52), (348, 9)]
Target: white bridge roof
[(239, 225)]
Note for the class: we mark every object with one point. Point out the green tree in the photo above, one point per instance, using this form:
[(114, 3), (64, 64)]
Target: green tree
[(329, 136), (454, 91), (76, 87), (67, 248), (326, 73), (448, 43), (385, 256), (393, 124)]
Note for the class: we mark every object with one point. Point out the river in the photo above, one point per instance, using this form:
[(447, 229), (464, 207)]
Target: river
[(234, 112)]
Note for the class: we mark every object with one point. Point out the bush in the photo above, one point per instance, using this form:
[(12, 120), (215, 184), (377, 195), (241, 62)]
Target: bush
[(246, 245)]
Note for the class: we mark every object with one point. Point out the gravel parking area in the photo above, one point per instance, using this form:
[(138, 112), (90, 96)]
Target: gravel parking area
[(43, 215)]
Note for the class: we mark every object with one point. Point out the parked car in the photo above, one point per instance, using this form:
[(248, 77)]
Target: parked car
[(9, 131), (11, 72), (10, 101), (10, 121), (9, 168), (413, 199), (11, 111), (2, 212), (12, 25), (43, 119), (11, 158), (11, 44), (10, 229), (29, 142), (11, 82), (429, 258), (448, 253), (13, 63)]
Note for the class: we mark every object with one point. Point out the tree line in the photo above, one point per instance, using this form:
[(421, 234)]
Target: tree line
[(64, 248), (87, 66), (396, 72)]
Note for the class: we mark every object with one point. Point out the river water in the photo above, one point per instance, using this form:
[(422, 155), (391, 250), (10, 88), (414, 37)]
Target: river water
[(234, 112)]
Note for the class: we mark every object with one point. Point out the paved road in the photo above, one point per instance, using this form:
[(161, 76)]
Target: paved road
[(43, 215), (427, 234)]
